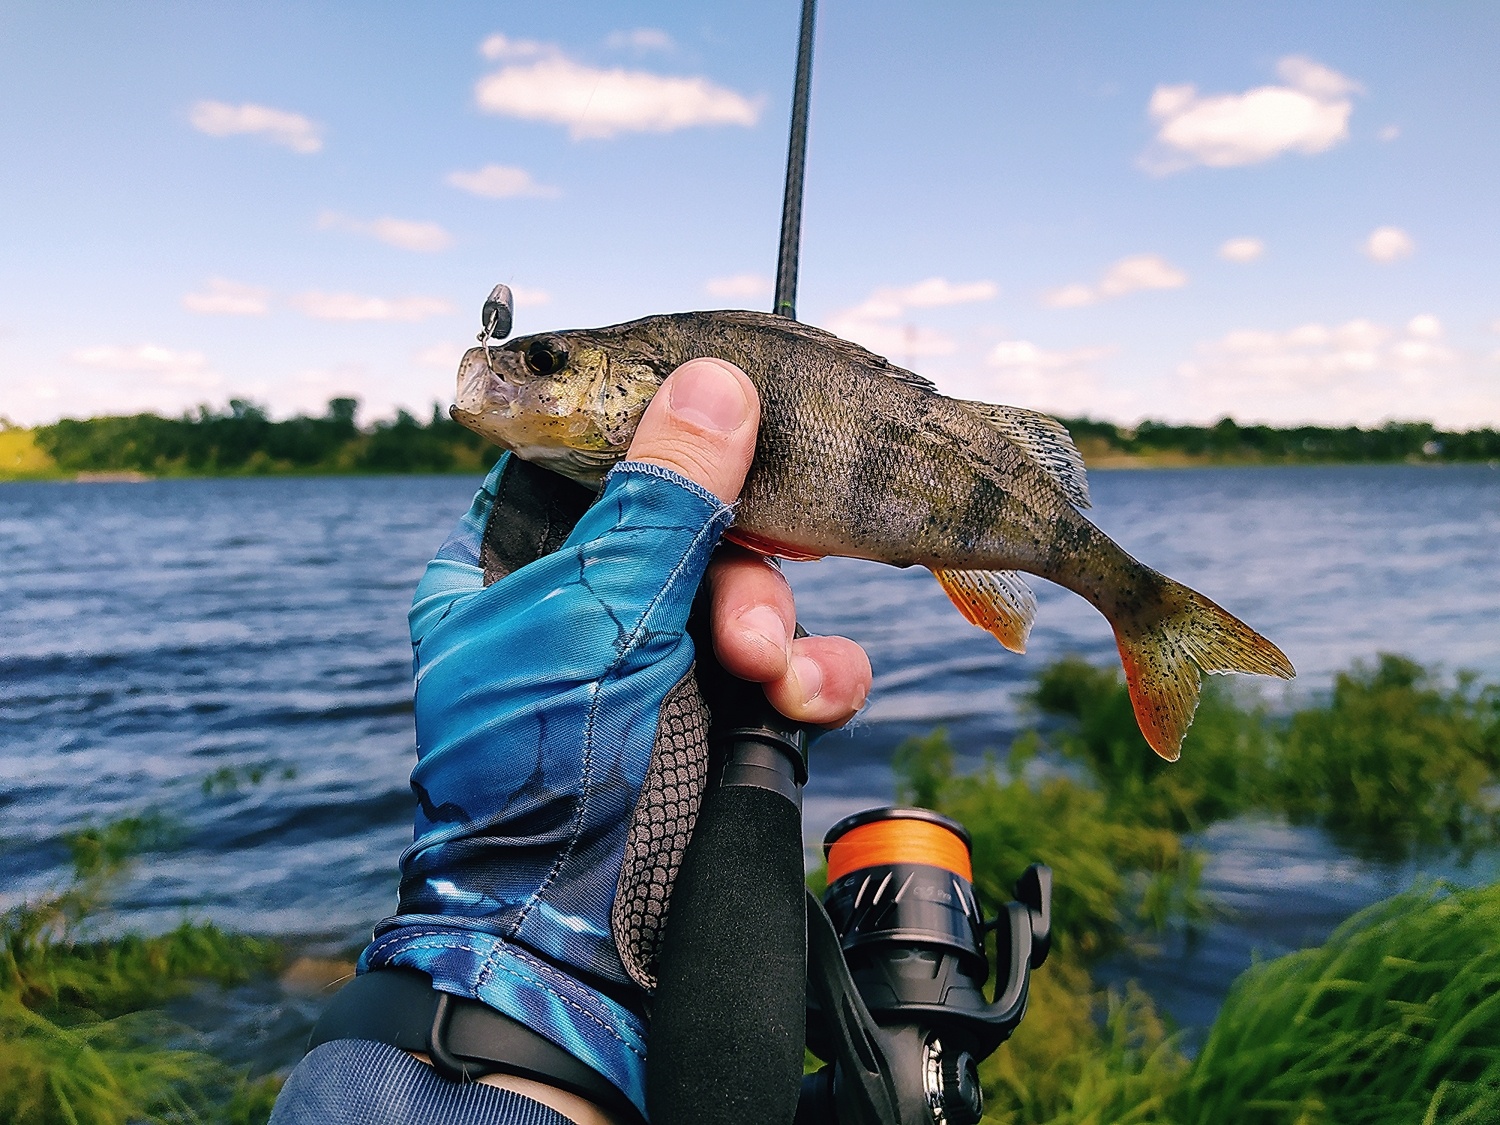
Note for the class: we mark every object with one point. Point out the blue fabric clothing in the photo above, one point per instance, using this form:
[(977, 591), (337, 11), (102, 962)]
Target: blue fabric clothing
[(538, 701), (357, 1082)]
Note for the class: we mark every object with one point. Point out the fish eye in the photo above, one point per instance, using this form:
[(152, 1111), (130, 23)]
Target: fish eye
[(546, 357)]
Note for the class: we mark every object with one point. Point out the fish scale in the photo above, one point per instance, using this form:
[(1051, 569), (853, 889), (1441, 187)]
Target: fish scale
[(861, 458)]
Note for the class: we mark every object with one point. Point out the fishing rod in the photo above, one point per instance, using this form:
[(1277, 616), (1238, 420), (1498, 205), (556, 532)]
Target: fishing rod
[(753, 967), (796, 170)]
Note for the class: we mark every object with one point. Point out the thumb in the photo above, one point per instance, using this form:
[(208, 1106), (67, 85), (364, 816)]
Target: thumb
[(702, 424)]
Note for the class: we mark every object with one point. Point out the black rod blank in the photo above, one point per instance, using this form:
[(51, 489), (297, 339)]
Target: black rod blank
[(796, 165)]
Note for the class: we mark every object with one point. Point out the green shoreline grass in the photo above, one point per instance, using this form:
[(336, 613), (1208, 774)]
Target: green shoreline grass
[(83, 1039), (1394, 1019)]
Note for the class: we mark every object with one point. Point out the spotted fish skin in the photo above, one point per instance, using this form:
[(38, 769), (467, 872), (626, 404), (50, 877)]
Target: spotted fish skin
[(858, 457)]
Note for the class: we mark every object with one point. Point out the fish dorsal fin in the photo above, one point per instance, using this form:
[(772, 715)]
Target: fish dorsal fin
[(845, 348), (1045, 440)]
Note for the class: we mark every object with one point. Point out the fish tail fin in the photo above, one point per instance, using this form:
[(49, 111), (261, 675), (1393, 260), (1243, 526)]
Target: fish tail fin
[(1162, 660), (997, 600)]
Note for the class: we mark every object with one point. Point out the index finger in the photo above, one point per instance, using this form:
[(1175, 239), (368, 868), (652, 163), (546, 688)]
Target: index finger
[(818, 680)]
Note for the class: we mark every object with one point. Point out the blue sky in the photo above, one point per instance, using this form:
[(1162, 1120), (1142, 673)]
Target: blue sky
[(1284, 212)]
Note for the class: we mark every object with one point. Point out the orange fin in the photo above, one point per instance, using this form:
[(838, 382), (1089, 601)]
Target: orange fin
[(997, 600), (761, 546), (1163, 659)]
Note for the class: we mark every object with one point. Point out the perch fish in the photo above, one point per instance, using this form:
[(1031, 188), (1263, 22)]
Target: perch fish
[(861, 458)]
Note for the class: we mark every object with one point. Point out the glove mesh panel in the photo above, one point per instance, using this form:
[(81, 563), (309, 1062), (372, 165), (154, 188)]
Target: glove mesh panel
[(660, 828)]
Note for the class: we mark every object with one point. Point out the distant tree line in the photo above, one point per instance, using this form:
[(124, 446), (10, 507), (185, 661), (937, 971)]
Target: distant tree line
[(1227, 441), (243, 440)]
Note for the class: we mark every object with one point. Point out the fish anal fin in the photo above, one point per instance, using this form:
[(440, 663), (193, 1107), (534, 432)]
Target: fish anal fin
[(1163, 660), (1046, 441), (996, 600), (763, 546)]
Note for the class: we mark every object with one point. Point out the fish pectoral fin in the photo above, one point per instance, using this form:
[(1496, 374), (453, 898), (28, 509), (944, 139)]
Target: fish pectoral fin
[(996, 600), (1046, 441)]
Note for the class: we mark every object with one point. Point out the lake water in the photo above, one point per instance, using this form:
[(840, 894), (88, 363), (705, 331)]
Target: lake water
[(156, 636)]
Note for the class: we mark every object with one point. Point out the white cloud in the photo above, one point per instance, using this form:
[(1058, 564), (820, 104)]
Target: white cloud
[(1359, 370), (1023, 356), (740, 286), (498, 47), (445, 355), (167, 365), (1073, 296), (1309, 114), (1389, 133), (900, 342), (1426, 326), (528, 298), (1128, 275), (890, 302), (222, 297), (873, 322), (540, 83), (1389, 244), (353, 306), (499, 181), (641, 39), (1242, 249), (424, 238), (936, 292), (404, 234), (1302, 73), (280, 126), (1063, 381), (1141, 271)]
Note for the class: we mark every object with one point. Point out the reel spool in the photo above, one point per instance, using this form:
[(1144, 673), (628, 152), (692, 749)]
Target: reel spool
[(911, 945)]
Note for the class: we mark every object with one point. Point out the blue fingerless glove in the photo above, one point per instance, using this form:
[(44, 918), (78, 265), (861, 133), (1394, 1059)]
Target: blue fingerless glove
[(561, 757)]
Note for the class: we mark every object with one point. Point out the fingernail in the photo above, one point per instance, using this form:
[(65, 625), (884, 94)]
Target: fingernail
[(764, 622), (809, 676), (708, 396)]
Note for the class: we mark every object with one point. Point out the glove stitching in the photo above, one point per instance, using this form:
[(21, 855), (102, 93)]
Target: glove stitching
[(647, 468)]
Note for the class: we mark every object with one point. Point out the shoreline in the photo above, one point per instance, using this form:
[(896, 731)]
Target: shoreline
[(1114, 461), (245, 442)]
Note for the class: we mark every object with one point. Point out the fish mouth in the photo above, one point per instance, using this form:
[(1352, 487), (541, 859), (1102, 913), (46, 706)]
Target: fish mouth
[(480, 390)]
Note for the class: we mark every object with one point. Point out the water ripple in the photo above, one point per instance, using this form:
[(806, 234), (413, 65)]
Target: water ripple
[(158, 636)]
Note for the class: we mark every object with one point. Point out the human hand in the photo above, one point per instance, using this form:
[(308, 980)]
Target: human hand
[(702, 425)]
